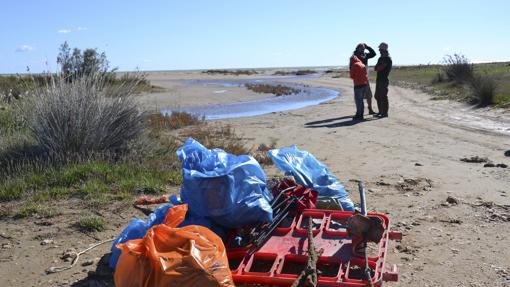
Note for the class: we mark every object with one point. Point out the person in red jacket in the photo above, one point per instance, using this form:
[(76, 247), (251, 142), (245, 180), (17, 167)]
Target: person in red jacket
[(359, 76), (360, 53)]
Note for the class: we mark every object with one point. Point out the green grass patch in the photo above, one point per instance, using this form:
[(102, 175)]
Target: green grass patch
[(96, 184), (32, 208), (91, 224)]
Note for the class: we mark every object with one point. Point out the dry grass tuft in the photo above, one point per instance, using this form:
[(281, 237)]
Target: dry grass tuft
[(261, 153), (223, 137), (176, 120)]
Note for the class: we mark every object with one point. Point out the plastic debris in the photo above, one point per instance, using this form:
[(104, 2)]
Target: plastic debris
[(136, 229), (231, 190), (311, 173), (171, 256)]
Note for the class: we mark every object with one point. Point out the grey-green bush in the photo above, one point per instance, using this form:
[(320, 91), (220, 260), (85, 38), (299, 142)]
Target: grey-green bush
[(81, 117), (484, 90), (457, 68)]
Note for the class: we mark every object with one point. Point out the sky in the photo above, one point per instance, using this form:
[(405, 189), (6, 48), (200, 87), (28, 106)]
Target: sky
[(181, 35)]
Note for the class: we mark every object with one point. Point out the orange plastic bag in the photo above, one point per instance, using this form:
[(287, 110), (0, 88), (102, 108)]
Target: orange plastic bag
[(169, 256)]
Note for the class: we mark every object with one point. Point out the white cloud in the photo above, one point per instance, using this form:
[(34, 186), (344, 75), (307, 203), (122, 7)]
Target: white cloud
[(82, 28), (24, 48), (64, 31)]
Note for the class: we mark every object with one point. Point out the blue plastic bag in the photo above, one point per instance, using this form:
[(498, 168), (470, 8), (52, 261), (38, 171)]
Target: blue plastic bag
[(231, 190), (137, 229), (309, 172)]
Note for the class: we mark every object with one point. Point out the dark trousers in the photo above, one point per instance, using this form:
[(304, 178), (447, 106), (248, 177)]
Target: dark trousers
[(381, 96), (359, 94)]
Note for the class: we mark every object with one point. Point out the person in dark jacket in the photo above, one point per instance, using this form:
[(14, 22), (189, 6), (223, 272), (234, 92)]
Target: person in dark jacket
[(383, 68), (360, 53), (358, 73)]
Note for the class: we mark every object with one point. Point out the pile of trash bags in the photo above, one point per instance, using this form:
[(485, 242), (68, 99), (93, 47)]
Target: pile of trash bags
[(220, 192), (168, 255), (230, 190)]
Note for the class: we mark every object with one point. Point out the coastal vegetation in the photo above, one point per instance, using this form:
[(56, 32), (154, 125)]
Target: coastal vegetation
[(456, 78), (277, 90), (81, 139), (482, 84), (230, 72), (295, 73)]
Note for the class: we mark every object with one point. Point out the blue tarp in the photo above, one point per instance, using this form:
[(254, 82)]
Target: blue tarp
[(231, 190), (309, 172)]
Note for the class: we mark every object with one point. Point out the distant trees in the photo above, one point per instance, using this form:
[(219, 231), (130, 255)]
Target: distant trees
[(76, 63)]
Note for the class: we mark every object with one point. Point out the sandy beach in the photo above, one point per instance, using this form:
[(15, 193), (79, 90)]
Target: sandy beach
[(454, 215), (410, 163)]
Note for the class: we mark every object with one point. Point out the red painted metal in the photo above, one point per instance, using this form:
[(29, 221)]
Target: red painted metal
[(284, 255)]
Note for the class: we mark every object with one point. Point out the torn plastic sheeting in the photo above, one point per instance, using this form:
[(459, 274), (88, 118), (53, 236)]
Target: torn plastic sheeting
[(136, 229), (308, 171), (171, 256), (229, 189)]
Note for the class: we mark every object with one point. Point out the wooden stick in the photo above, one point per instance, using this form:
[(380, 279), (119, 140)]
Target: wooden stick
[(310, 275)]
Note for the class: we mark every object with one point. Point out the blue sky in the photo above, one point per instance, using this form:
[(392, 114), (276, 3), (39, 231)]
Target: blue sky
[(169, 35)]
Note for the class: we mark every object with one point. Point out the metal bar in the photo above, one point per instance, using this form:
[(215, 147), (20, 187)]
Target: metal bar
[(362, 203), (363, 206), (275, 200)]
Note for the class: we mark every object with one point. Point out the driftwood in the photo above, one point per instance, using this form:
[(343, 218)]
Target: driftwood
[(308, 277)]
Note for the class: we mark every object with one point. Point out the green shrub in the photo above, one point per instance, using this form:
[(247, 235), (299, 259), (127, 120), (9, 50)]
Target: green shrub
[(80, 118), (457, 68), (484, 90)]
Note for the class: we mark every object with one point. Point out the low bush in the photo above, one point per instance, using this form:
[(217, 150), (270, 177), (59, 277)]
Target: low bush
[(484, 90), (261, 153), (82, 117), (438, 78), (457, 68)]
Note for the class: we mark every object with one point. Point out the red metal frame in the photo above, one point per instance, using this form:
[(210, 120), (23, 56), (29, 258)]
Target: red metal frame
[(284, 255)]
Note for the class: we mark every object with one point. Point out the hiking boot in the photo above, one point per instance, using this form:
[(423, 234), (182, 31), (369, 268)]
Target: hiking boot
[(382, 116), (357, 118), (371, 112)]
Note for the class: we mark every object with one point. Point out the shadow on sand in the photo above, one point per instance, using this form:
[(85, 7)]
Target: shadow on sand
[(344, 121), (101, 277)]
